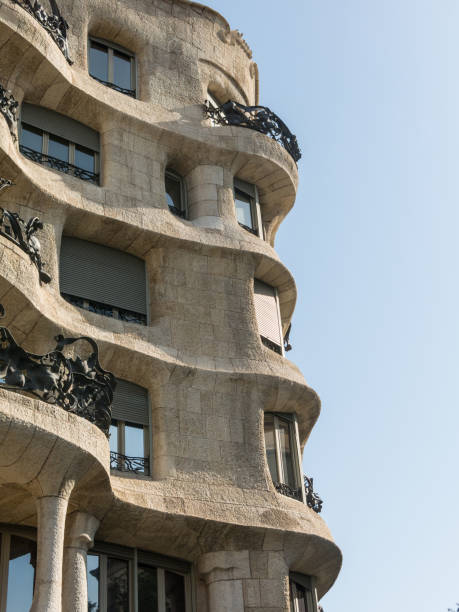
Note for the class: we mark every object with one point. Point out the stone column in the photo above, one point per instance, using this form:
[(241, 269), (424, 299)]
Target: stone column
[(224, 573), (204, 183), (81, 528), (51, 512)]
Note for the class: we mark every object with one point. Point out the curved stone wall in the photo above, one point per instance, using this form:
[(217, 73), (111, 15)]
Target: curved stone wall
[(210, 498)]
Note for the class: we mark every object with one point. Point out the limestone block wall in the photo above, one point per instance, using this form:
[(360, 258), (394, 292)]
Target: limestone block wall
[(210, 499)]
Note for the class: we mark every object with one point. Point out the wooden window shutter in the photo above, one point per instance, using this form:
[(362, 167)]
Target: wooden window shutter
[(130, 403), (102, 274), (267, 312)]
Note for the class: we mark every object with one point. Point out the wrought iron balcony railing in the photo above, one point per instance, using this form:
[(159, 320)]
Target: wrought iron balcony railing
[(22, 234), (177, 212), (9, 109), (313, 501), (77, 385), (58, 164), (54, 24), (123, 463), (271, 345), (258, 118), (285, 489), (126, 92), (106, 310)]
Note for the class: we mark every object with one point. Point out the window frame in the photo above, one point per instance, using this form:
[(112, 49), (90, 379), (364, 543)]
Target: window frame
[(175, 176), (308, 583), (270, 344), (292, 420), (250, 191), (136, 557), (111, 47), (121, 446), (71, 161), (6, 532)]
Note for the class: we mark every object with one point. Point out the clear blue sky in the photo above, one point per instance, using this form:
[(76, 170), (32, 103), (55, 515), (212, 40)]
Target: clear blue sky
[(371, 88)]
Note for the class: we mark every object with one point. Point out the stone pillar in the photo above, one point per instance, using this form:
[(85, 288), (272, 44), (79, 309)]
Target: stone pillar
[(51, 512), (81, 528), (204, 183), (224, 573)]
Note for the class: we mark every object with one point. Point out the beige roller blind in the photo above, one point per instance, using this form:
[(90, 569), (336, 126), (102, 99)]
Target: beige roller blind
[(267, 312), (130, 403), (102, 274)]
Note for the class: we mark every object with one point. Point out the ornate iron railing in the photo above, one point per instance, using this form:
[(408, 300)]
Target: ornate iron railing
[(127, 92), (9, 109), (54, 24), (77, 385), (312, 499), (106, 310), (249, 229), (21, 234), (58, 164), (259, 118), (287, 345), (271, 345), (123, 463), (177, 212), (287, 490)]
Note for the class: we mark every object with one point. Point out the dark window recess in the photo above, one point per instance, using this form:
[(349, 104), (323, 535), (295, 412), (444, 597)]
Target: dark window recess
[(117, 575), (175, 193), (107, 311), (59, 142), (112, 67), (103, 280), (129, 431)]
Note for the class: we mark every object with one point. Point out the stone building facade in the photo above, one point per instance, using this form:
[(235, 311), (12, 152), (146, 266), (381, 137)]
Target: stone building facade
[(149, 225)]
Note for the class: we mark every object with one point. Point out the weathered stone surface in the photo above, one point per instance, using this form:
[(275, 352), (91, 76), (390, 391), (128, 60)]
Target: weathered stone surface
[(210, 499)]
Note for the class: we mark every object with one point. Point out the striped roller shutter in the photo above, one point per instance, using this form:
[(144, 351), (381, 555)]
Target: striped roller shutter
[(130, 403), (267, 311), (60, 125), (95, 272)]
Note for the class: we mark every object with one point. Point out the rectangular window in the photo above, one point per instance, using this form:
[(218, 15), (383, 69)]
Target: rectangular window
[(282, 454), (103, 280), (112, 66), (129, 431), (18, 557), (247, 207), (268, 316), (175, 193), (115, 574), (59, 142), (303, 595)]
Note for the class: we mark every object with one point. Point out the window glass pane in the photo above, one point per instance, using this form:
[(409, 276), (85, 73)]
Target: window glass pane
[(93, 575), (58, 148), (286, 453), (300, 598), (243, 209), (122, 70), (133, 440), (32, 137), (147, 580), (271, 447), (117, 585), (84, 158), (173, 192), (98, 61), (175, 592), (21, 573), (113, 441)]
